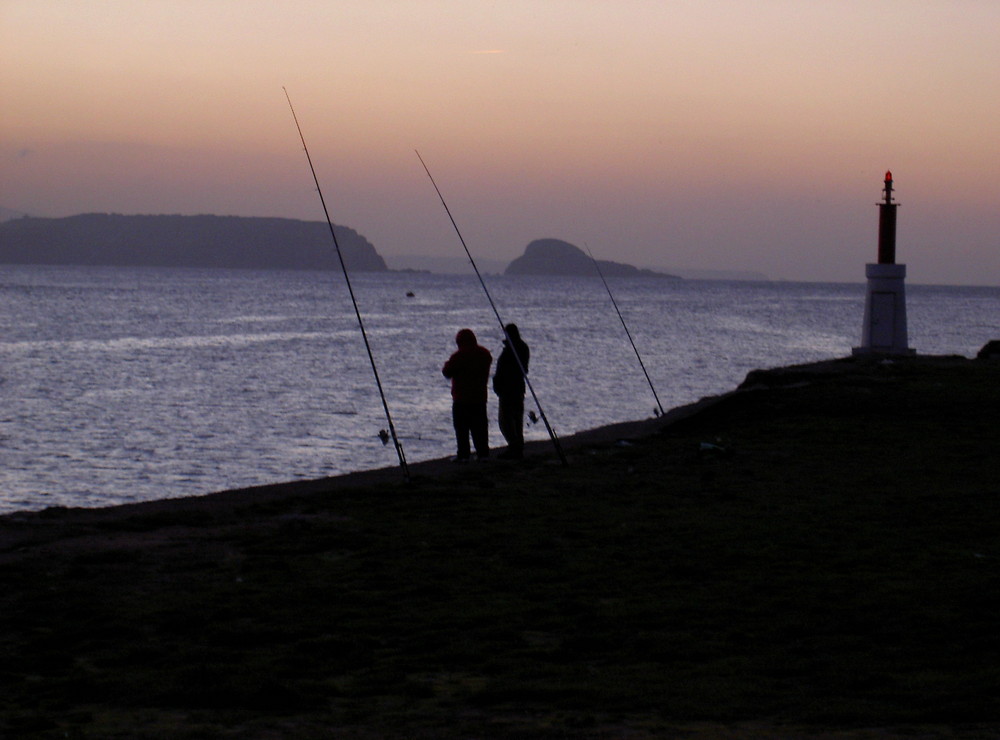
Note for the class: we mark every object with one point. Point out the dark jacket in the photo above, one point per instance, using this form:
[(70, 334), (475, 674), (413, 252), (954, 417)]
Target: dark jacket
[(468, 368), (508, 380)]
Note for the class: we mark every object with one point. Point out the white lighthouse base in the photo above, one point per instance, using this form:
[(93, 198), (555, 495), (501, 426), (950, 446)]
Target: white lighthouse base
[(884, 329)]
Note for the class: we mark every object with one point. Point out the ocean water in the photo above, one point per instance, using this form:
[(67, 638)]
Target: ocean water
[(130, 384)]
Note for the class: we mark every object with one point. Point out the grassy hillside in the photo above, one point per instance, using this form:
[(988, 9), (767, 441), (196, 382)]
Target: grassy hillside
[(814, 556)]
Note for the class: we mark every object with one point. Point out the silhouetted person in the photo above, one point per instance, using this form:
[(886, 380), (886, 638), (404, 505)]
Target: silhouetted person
[(469, 371), (508, 384)]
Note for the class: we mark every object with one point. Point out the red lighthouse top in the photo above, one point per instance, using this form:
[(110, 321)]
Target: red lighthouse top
[(887, 190)]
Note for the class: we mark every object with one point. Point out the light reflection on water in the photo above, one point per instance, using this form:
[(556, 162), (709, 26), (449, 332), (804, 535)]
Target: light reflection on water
[(131, 384)]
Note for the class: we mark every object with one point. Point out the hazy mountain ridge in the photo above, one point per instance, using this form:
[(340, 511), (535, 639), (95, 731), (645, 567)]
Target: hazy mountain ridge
[(700, 274), (6, 214), (461, 266), (557, 257), (445, 265), (270, 243), (184, 241)]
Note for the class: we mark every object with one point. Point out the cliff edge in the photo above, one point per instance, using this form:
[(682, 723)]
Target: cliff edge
[(184, 241)]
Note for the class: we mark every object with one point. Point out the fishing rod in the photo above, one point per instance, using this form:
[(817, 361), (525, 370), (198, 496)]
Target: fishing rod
[(627, 332), (524, 372), (371, 358)]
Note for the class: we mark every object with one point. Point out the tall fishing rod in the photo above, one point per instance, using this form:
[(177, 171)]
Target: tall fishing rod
[(371, 358), (503, 328), (627, 332)]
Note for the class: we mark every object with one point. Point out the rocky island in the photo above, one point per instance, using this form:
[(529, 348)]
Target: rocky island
[(557, 257), (184, 241)]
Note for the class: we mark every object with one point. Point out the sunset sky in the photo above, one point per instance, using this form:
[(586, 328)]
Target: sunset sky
[(665, 133)]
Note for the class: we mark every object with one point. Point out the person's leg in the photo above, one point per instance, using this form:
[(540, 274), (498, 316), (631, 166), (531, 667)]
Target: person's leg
[(480, 426), (511, 418), (516, 424), (460, 419), (504, 418)]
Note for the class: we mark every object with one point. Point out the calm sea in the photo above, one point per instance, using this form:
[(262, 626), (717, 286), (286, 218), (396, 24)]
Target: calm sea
[(121, 385)]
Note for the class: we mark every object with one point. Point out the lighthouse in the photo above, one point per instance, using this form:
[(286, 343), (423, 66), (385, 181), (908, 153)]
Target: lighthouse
[(884, 328)]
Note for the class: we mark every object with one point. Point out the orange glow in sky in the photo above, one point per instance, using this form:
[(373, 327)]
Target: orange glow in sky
[(695, 133)]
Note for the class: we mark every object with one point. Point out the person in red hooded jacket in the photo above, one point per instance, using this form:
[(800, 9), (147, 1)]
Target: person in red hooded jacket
[(469, 371)]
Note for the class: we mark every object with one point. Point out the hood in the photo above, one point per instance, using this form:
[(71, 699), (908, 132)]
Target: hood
[(513, 333), (465, 339)]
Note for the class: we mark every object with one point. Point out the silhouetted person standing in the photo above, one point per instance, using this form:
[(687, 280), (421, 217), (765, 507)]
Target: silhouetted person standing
[(508, 384), (469, 371)]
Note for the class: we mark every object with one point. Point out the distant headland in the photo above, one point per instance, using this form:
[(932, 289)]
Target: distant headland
[(184, 241), (210, 241), (557, 257)]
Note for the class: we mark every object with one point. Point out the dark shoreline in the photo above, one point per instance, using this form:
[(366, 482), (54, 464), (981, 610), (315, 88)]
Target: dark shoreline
[(812, 555), (390, 476), (538, 449)]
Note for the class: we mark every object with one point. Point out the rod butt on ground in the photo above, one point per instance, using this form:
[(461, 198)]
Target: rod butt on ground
[(621, 318), (524, 372), (350, 289)]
